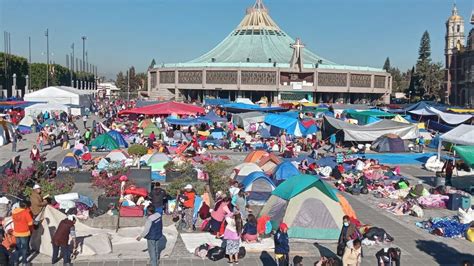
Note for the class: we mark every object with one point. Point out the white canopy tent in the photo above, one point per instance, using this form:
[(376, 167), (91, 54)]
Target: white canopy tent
[(35, 109), (452, 119), (460, 135), (60, 95)]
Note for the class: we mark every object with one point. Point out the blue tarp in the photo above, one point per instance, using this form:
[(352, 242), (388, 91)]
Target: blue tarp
[(434, 125), (434, 142), (118, 138), (243, 107), (185, 121), (285, 170), (213, 117), (216, 102), (264, 133), (311, 130), (217, 133), (425, 104), (400, 158), (291, 125), (292, 114)]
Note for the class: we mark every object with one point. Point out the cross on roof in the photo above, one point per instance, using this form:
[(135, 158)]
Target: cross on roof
[(297, 46)]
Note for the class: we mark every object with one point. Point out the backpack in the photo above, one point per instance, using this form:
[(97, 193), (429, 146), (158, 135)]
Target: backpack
[(205, 226), (216, 253), (202, 250)]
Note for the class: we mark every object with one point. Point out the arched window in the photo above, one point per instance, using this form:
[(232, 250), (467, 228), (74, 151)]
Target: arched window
[(458, 28)]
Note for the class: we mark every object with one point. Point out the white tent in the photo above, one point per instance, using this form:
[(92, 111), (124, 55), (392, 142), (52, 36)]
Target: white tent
[(27, 121), (35, 109), (452, 119), (244, 120), (61, 95), (460, 135)]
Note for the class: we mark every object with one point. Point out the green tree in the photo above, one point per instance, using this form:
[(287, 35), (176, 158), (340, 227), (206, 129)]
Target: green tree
[(386, 65), (121, 81), (423, 66), (142, 79)]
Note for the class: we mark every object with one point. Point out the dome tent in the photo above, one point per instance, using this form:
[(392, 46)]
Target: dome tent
[(118, 138), (389, 143), (70, 161), (259, 186), (285, 170), (244, 169), (308, 206), (104, 142)]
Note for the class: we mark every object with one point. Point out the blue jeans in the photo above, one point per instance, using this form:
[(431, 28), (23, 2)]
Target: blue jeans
[(159, 210), (65, 252), (22, 244), (154, 250)]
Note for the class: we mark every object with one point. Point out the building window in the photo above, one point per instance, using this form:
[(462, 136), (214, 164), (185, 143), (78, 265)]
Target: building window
[(458, 28), (153, 79)]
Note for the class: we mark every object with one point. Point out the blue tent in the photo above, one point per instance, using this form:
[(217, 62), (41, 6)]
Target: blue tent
[(118, 138), (310, 130), (70, 161), (264, 133), (434, 125), (259, 188), (213, 117), (217, 133), (243, 107), (185, 121), (285, 170), (434, 142)]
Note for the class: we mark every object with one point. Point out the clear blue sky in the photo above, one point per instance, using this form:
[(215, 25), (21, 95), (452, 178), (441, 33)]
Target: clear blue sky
[(122, 33)]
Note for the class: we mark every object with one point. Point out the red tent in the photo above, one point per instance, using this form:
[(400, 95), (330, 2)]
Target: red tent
[(166, 108)]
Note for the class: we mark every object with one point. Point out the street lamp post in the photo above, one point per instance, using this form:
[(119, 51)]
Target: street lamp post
[(72, 65), (84, 38), (128, 86), (47, 57)]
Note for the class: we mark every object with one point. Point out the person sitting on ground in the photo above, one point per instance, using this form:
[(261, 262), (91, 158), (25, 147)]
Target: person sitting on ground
[(353, 253), (249, 233), (388, 256)]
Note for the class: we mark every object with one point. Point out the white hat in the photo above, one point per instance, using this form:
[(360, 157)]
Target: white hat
[(188, 186), (36, 186)]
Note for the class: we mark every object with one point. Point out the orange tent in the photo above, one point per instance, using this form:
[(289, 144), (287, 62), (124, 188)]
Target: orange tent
[(268, 162), (255, 156)]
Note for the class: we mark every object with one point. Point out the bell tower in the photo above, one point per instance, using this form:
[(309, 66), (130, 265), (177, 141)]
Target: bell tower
[(454, 42)]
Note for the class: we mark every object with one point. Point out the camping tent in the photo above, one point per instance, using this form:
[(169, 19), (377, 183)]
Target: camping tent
[(151, 128), (6, 131), (255, 156), (117, 155), (259, 188), (466, 153), (389, 143), (103, 164), (158, 157), (118, 138), (60, 95), (244, 120), (348, 132), (308, 206), (36, 109), (268, 162), (244, 169), (70, 161), (104, 142), (368, 116), (27, 121), (166, 108), (285, 170)]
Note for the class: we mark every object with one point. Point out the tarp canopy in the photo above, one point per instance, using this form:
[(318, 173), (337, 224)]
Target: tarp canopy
[(461, 135), (243, 107), (184, 121), (213, 117), (452, 119), (466, 153), (350, 132), (434, 125), (151, 128), (38, 108), (244, 120), (118, 138), (291, 125), (215, 102), (166, 108), (364, 117), (60, 95), (27, 121), (424, 104)]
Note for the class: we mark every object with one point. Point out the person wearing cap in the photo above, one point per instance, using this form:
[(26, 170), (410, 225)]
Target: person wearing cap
[(60, 239), (188, 206), (37, 201), (282, 246), (22, 227), (153, 233)]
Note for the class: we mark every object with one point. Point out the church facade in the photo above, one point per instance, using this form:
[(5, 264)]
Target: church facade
[(258, 59), (459, 54)]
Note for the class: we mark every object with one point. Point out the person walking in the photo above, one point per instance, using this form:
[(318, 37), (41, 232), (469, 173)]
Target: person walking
[(35, 154), (84, 120), (349, 232), (87, 136), (14, 140), (232, 233), (421, 144), (153, 233), (332, 142), (60, 240), (352, 253), (282, 246), (22, 225), (283, 142), (188, 205)]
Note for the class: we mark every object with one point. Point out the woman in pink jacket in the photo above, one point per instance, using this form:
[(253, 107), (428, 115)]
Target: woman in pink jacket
[(221, 209)]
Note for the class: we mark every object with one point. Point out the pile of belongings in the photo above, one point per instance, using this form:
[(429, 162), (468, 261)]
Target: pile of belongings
[(73, 203), (215, 253), (449, 227)]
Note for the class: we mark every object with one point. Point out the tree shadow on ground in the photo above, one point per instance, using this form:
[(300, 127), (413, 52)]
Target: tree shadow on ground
[(442, 253)]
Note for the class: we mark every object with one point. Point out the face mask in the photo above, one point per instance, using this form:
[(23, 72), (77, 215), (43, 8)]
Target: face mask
[(346, 224)]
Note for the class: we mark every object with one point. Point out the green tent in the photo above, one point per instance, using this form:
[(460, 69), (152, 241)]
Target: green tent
[(466, 153), (308, 206), (104, 142), (151, 128), (368, 116)]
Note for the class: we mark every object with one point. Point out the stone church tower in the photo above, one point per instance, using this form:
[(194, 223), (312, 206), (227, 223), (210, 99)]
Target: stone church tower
[(455, 42)]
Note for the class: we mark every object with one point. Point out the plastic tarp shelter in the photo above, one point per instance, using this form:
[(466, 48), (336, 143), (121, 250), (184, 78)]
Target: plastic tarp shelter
[(466, 153), (349, 132), (434, 125), (367, 116), (118, 138), (216, 102), (243, 107), (60, 95), (184, 121), (104, 142), (35, 109), (292, 126), (424, 104), (27, 121), (452, 119), (460, 135), (166, 108), (244, 120), (213, 117)]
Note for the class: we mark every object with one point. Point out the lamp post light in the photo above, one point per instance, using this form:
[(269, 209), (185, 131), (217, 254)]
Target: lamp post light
[(84, 38), (47, 57)]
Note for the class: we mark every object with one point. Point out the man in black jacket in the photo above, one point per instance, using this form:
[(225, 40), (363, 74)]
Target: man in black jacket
[(158, 196)]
